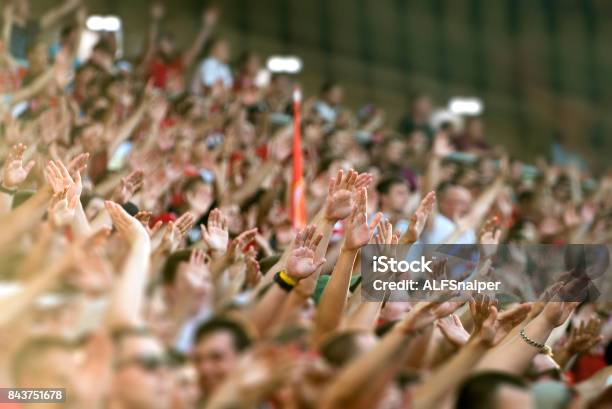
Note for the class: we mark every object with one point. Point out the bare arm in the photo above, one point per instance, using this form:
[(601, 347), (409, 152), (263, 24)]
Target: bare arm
[(209, 19), (54, 15), (302, 263), (333, 300), (128, 294)]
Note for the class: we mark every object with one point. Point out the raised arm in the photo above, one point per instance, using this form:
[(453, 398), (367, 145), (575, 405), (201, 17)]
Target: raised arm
[(333, 300), (515, 354), (367, 374), (54, 15), (209, 19), (441, 147), (127, 298), (302, 262), (157, 13)]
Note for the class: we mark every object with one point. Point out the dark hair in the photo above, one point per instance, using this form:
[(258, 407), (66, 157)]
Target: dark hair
[(339, 349), (103, 46), (25, 362), (478, 391), (384, 186), (168, 274), (328, 85), (219, 324), (67, 30)]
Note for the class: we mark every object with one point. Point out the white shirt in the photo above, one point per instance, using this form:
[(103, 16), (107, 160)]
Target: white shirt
[(210, 71), (442, 228)]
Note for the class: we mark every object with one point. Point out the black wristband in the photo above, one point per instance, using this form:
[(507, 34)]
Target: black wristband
[(282, 284)]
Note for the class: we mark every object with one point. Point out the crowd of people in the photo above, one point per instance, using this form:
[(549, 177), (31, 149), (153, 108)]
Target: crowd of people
[(149, 257)]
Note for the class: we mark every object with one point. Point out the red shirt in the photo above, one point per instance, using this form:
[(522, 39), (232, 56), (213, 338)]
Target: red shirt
[(160, 70)]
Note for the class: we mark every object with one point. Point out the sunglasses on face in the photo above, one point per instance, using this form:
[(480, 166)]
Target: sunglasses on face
[(149, 363)]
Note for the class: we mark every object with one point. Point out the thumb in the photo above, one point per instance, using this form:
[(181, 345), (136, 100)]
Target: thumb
[(321, 262)]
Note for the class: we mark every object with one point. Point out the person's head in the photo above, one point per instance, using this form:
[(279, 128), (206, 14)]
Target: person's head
[(454, 201), (494, 390), (220, 50), (141, 379), (103, 55), (474, 128), (217, 347), (69, 36), (176, 265), (332, 92), (250, 63), (393, 194), (344, 346), (166, 45), (394, 152), (421, 107)]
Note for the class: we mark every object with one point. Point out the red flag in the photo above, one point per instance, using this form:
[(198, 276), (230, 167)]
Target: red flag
[(297, 202)]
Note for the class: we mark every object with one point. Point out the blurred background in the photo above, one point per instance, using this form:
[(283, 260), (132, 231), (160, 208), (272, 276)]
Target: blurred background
[(542, 68)]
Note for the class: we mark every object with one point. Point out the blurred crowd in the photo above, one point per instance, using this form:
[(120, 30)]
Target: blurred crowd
[(149, 257)]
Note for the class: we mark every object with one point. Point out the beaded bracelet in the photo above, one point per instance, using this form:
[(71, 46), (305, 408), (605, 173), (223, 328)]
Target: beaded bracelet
[(545, 349)]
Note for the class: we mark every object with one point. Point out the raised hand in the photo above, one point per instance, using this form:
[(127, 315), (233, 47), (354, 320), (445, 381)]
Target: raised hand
[(556, 312), (253, 272), (480, 307), (490, 233), (128, 186), (78, 164), (487, 331), (506, 320), (584, 337), (419, 219), (194, 276), (176, 231), (358, 231), (441, 146), (210, 17), (144, 217), (453, 330), (237, 245), (130, 228), (216, 236), (301, 262), (424, 313), (14, 172), (157, 11), (61, 209), (59, 178), (339, 202)]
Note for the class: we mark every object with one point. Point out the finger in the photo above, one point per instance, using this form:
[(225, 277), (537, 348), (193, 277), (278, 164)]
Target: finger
[(316, 241), (29, 166), (338, 179), (376, 220)]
